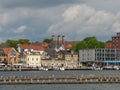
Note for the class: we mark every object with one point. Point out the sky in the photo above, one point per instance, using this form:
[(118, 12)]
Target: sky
[(75, 19)]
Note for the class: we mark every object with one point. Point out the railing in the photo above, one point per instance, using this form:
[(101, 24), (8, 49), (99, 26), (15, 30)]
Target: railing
[(59, 80)]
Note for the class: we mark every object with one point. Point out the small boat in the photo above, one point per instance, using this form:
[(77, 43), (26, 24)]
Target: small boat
[(56, 68), (98, 68), (116, 67), (62, 68), (43, 69), (108, 68)]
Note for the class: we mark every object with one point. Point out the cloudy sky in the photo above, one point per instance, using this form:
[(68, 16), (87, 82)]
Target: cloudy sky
[(76, 19)]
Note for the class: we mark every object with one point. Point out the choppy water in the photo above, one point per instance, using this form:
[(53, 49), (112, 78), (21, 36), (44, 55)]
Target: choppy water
[(61, 86)]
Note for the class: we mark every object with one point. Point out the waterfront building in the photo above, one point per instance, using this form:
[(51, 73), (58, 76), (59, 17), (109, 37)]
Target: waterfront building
[(3, 57), (71, 60), (99, 56), (55, 54), (60, 54), (109, 44), (64, 59), (115, 42), (26, 49), (11, 55), (51, 63), (33, 60)]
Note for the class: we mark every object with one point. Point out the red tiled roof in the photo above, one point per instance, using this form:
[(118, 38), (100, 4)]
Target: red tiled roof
[(6, 50), (35, 47), (45, 45), (68, 46)]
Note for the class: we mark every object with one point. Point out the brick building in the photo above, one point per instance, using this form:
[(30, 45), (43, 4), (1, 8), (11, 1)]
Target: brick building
[(115, 43), (109, 44)]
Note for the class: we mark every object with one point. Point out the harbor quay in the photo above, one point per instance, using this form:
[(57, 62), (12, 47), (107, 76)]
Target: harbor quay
[(89, 79)]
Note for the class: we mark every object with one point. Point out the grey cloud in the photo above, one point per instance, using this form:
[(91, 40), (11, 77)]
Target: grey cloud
[(45, 17), (79, 23), (36, 3), (107, 5)]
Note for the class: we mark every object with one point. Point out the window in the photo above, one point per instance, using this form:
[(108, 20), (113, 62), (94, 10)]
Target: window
[(32, 59), (36, 59)]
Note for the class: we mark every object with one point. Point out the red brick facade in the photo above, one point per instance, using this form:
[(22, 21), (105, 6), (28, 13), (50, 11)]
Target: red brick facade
[(115, 43)]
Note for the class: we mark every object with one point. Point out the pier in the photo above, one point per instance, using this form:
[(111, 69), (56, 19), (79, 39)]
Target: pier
[(17, 80)]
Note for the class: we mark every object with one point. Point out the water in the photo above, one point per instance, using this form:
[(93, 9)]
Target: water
[(61, 86)]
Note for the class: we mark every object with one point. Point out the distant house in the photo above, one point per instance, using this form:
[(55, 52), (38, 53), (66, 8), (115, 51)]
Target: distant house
[(32, 52), (66, 59), (53, 54), (60, 54), (71, 59), (57, 45), (33, 60), (25, 48), (3, 56), (11, 55), (109, 44)]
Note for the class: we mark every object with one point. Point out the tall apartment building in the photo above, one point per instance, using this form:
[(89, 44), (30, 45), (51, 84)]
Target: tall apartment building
[(116, 41), (98, 55)]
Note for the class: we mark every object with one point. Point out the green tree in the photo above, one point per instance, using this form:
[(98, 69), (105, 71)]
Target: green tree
[(14, 43), (47, 40), (11, 43), (23, 41), (89, 42)]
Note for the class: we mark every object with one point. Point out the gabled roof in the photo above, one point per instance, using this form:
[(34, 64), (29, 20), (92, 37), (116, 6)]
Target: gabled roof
[(68, 46), (35, 47), (7, 50)]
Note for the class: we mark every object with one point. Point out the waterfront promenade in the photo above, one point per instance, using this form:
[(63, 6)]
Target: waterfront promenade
[(89, 79)]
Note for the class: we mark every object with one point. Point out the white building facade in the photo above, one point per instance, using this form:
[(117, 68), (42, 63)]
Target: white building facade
[(98, 55), (33, 60)]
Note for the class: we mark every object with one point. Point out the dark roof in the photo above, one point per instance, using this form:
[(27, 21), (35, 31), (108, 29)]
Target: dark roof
[(51, 52), (64, 52)]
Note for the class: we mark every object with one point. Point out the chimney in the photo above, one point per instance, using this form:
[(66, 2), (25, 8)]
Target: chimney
[(63, 39), (53, 39), (58, 40)]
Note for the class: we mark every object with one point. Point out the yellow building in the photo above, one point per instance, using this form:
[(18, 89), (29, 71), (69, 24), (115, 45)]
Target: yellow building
[(33, 60)]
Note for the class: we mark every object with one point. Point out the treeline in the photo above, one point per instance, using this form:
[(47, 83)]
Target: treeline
[(14, 43), (88, 43)]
